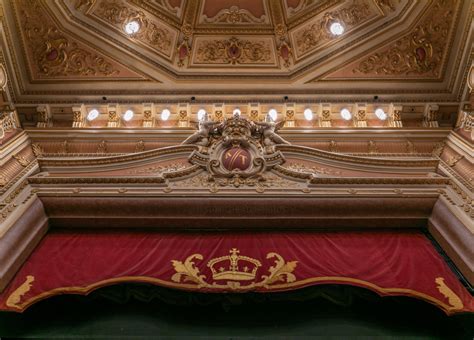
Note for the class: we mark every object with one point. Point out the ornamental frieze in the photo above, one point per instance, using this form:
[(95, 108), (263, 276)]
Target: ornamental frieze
[(234, 51), (53, 54), (152, 33), (234, 15)]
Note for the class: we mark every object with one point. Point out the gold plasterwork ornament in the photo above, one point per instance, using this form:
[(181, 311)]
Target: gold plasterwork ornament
[(417, 53), (234, 51), (102, 147), (152, 32), (234, 15), (234, 271), (56, 55), (316, 33)]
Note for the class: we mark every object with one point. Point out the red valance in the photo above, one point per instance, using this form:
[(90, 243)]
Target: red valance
[(389, 263)]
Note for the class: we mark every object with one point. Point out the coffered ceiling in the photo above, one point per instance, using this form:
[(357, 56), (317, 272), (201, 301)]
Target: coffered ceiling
[(78, 50)]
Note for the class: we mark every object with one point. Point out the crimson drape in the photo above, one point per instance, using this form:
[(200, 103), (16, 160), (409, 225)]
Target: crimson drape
[(389, 263)]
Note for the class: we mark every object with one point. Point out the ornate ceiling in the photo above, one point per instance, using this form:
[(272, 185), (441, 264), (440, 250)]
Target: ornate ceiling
[(400, 50)]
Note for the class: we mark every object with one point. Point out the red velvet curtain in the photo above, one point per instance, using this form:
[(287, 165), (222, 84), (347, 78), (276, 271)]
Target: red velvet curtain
[(389, 263)]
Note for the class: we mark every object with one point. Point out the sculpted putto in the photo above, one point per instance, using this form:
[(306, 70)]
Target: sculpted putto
[(268, 130), (205, 129)]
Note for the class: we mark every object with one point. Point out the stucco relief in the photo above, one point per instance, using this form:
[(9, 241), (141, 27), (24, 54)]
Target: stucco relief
[(316, 33), (419, 53), (152, 33), (53, 54), (234, 51)]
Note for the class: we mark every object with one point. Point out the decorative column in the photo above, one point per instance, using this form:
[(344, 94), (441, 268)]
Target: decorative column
[(218, 112), (361, 115), (325, 119), (183, 115), (290, 109), (430, 118), (148, 115), (44, 116), (395, 116), (113, 119), (78, 116), (254, 112)]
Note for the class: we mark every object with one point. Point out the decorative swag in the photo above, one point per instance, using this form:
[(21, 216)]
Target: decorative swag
[(389, 263)]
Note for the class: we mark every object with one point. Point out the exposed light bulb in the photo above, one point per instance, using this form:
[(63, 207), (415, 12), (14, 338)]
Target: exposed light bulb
[(236, 112), (380, 113), (308, 114), (132, 27), (93, 114), (201, 114), (128, 115), (273, 114), (346, 114), (336, 28), (165, 114)]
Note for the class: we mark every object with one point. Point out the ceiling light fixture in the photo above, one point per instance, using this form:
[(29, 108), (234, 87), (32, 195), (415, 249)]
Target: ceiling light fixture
[(201, 114), (336, 28), (273, 114), (128, 115), (380, 113), (93, 114), (165, 114), (132, 27), (346, 114), (308, 114)]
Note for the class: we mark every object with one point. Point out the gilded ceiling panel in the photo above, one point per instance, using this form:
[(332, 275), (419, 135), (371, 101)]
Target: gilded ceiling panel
[(170, 8), (315, 33), (234, 12), (232, 51), (153, 33), (419, 54), (53, 54)]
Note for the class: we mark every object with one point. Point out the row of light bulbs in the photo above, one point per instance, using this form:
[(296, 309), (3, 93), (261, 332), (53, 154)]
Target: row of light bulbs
[(308, 114)]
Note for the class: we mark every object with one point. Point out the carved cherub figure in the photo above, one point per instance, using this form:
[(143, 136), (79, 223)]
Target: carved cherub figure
[(268, 130), (205, 129)]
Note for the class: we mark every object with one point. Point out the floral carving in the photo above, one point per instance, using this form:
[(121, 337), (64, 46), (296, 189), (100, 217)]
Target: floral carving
[(419, 53), (151, 32), (303, 168), (54, 54), (234, 51), (318, 33), (234, 15)]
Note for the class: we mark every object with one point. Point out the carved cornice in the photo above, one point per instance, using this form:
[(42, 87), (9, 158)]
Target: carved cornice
[(431, 163), (180, 149)]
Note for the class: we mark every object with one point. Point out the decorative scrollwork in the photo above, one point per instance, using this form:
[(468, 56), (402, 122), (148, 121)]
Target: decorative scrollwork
[(55, 55), (234, 15), (234, 51), (234, 269), (419, 53)]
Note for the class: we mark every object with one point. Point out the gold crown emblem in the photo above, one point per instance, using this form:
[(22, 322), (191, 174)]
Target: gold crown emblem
[(234, 267)]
